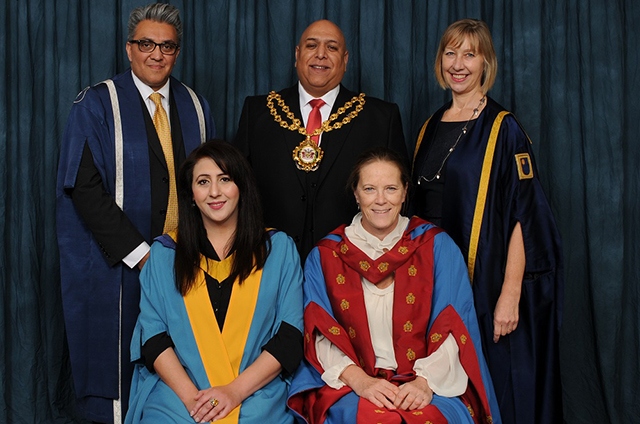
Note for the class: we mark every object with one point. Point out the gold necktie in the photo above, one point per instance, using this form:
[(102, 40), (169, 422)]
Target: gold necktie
[(161, 122)]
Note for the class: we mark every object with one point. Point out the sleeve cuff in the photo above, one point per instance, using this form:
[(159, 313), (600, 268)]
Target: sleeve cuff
[(332, 360), (136, 255), (332, 376), (154, 347), (443, 371), (287, 347)]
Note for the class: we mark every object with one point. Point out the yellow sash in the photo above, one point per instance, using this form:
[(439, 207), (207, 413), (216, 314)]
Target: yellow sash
[(481, 199), (418, 143), (221, 353)]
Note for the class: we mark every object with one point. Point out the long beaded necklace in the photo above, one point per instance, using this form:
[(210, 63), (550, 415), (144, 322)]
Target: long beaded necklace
[(438, 173)]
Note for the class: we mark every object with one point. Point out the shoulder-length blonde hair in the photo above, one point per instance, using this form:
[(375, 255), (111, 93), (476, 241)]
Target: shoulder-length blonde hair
[(479, 36)]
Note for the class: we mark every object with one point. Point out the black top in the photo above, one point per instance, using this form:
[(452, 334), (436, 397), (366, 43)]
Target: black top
[(286, 345), (431, 187)]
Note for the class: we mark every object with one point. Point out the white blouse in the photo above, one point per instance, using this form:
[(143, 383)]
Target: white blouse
[(442, 369)]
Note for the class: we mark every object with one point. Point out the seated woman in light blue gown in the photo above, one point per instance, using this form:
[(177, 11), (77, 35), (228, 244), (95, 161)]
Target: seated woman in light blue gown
[(219, 331)]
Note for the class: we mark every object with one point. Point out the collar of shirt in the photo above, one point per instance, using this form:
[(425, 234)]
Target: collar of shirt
[(371, 245), (305, 108), (145, 91)]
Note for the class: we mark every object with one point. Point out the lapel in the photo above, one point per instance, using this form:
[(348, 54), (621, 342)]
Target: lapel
[(333, 141), (132, 107), (176, 132), (291, 138), (288, 139), (129, 95), (152, 135)]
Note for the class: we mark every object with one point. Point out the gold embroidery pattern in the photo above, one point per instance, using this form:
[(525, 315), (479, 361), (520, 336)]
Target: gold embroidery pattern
[(344, 249), (335, 331), (436, 337), (379, 411), (335, 255), (361, 361), (411, 299), (340, 279), (416, 413), (403, 250), (413, 271), (365, 265), (307, 337), (471, 411), (383, 266), (489, 419), (408, 327), (352, 332), (463, 339), (411, 355), (344, 305)]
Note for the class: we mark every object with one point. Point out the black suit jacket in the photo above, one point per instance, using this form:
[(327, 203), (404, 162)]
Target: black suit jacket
[(307, 206), (115, 233)]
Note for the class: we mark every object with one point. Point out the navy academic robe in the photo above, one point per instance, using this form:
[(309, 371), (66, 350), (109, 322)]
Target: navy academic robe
[(100, 297), (524, 365)]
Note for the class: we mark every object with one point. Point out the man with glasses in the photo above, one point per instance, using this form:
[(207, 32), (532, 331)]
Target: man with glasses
[(124, 142)]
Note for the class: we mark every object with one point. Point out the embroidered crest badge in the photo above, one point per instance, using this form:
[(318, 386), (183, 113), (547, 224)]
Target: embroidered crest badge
[(525, 168)]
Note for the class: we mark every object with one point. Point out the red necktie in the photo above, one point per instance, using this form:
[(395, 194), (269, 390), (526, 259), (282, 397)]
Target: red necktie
[(315, 118)]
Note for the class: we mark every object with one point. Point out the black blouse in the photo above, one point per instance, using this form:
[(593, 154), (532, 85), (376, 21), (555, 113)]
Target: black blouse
[(431, 189), (286, 345)]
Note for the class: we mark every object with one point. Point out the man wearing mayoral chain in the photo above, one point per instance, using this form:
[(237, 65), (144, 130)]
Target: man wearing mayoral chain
[(303, 141)]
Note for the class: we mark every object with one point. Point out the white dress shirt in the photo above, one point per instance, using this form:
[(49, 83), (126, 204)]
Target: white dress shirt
[(325, 111)]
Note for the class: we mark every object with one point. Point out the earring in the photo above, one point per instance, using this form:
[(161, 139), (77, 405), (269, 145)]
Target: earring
[(193, 202)]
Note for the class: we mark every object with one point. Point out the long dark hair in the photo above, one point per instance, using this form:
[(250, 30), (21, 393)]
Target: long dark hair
[(251, 242)]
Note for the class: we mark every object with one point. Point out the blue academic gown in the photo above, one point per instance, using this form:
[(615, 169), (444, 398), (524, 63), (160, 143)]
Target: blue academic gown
[(162, 309), (524, 364), (450, 289), (97, 296)]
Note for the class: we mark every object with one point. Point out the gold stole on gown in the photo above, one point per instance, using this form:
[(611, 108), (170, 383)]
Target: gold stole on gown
[(221, 353)]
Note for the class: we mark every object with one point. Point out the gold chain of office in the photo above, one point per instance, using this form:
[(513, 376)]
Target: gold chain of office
[(296, 124)]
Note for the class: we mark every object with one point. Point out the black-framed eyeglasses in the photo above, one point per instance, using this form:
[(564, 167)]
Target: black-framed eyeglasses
[(148, 46)]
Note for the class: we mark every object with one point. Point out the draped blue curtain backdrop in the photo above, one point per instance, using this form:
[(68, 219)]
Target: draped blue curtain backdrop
[(568, 69)]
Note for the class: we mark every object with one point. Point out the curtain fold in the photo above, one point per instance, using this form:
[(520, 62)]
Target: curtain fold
[(567, 69)]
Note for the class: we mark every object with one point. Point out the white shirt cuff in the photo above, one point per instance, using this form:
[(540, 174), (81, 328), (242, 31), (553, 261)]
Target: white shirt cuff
[(332, 376), (443, 371), (333, 361), (136, 255)]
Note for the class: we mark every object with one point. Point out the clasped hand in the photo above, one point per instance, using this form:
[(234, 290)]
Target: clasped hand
[(409, 396), (203, 410)]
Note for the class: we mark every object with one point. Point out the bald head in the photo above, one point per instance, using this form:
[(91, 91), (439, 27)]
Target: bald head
[(321, 57), (324, 26)]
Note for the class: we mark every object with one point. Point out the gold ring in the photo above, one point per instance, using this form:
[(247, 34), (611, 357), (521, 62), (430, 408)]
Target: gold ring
[(213, 402)]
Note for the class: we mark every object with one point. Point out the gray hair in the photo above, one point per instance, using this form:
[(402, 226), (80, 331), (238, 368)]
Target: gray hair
[(158, 12)]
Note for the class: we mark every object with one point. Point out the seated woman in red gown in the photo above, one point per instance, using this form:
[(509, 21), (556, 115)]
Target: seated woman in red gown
[(391, 334)]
